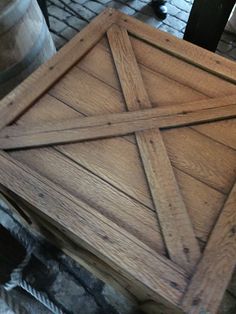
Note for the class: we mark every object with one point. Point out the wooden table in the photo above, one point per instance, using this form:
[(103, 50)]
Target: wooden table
[(121, 149)]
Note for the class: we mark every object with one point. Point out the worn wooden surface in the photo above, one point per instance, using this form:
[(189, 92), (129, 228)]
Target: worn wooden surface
[(140, 160)]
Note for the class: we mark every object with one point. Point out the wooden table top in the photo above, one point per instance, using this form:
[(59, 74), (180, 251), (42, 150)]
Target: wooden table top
[(124, 142)]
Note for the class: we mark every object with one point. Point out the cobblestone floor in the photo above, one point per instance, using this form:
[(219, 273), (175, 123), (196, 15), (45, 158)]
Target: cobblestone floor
[(65, 22), (68, 284)]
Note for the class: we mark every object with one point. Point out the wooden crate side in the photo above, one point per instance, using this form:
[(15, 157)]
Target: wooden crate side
[(114, 245)]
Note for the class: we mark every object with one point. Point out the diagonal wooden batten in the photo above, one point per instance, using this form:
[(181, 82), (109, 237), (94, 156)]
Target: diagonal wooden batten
[(95, 232), (176, 226), (21, 98), (214, 271), (190, 53), (116, 124)]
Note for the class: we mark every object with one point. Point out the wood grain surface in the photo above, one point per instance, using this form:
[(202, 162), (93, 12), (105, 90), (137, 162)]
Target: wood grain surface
[(216, 267), (147, 192), (181, 243), (95, 232)]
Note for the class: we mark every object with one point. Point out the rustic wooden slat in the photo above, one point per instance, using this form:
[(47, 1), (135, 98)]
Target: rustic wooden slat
[(176, 227), (138, 220), (90, 128), (197, 56), (202, 158), (18, 101), (114, 245), (215, 269)]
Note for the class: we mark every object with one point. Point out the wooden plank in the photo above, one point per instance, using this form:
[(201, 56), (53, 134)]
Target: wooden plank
[(24, 96), (197, 56), (222, 131), (126, 212), (93, 231), (214, 271), (90, 128), (200, 157), (179, 237), (75, 90)]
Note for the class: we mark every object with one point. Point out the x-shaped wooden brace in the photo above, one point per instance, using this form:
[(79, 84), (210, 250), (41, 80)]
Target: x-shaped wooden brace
[(145, 121)]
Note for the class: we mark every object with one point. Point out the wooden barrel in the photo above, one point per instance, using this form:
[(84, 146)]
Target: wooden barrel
[(25, 41)]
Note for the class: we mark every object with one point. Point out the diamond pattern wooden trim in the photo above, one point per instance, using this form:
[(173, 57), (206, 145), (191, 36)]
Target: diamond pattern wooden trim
[(175, 224), (15, 104), (117, 124), (216, 267)]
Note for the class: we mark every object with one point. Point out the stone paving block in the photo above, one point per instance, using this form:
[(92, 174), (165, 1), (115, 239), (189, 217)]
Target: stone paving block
[(83, 275), (183, 16), (82, 11), (174, 22), (59, 3), (232, 53), (56, 25), (120, 6), (224, 47), (58, 41), (76, 23), (136, 4), (172, 10), (148, 19), (104, 1), (67, 292), (59, 13), (96, 7), (229, 38), (173, 31), (118, 302), (182, 4), (69, 33)]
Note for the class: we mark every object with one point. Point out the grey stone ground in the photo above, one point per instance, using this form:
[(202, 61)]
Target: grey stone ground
[(67, 283)]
